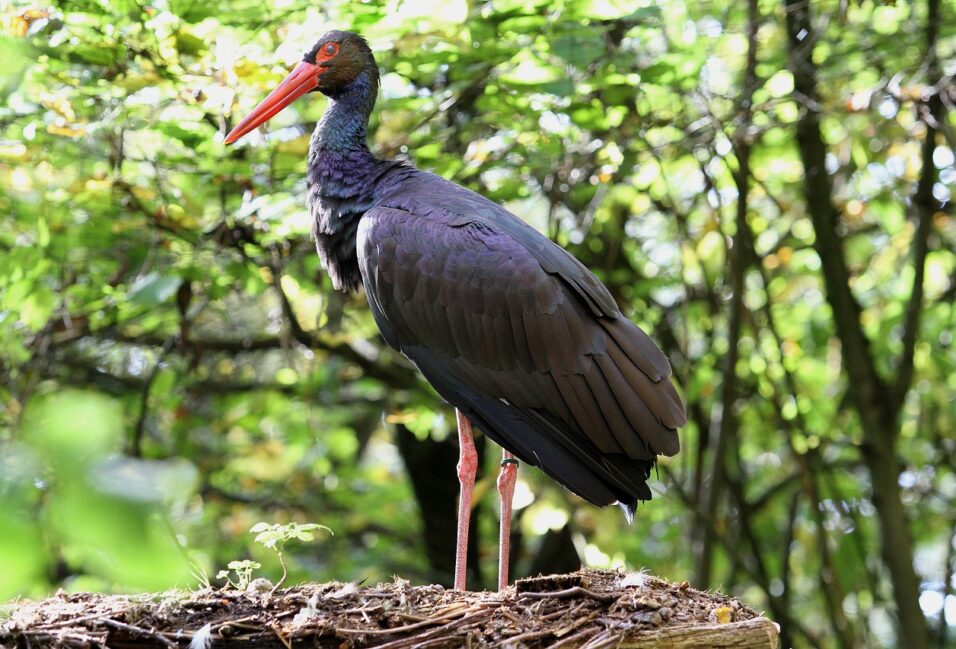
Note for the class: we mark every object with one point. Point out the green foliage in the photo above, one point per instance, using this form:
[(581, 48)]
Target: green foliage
[(275, 536), (106, 517), (171, 281), (242, 570)]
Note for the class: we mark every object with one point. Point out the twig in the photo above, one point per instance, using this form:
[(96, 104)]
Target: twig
[(140, 631), (136, 444), (561, 611), (407, 627), (601, 640), (278, 632), (576, 636), (445, 629), (576, 591), (58, 637), (532, 635), (74, 621), (926, 205)]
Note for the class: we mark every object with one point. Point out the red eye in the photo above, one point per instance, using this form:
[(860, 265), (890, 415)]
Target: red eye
[(328, 51)]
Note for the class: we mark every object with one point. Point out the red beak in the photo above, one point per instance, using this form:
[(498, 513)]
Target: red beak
[(302, 79)]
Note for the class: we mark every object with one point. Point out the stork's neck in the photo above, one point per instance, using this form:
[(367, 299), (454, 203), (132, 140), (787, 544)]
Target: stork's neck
[(342, 176), (344, 127)]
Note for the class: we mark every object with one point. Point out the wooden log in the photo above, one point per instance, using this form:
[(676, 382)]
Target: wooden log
[(756, 633)]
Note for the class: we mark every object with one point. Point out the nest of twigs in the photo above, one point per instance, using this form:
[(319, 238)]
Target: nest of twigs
[(584, 609)]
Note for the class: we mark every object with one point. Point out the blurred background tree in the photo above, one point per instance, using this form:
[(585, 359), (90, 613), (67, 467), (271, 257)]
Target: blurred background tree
[(765, 186)]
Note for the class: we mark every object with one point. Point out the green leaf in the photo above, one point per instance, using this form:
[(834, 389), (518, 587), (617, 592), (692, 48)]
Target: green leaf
[(23, 559), (37, 307), (580, 47), (99, 54)]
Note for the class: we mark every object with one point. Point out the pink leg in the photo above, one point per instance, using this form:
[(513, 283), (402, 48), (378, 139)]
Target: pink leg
[(506, 488), (467, 466)]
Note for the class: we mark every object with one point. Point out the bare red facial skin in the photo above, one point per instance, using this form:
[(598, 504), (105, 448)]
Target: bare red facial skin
[(327, 52)]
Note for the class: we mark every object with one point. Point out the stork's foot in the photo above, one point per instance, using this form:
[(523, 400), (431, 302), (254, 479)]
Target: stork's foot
[(507, 478)]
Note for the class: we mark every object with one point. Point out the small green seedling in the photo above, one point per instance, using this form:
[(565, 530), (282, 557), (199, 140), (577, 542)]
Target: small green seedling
[(243, 570), (275, 537)]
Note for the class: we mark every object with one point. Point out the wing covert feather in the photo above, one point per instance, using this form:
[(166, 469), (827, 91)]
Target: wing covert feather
[(489, 322)]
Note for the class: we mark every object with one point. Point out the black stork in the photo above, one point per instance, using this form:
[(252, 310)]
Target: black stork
[(508, 327)]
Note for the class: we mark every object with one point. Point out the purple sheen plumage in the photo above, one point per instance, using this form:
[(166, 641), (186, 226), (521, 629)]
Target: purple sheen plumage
[(506, 325)]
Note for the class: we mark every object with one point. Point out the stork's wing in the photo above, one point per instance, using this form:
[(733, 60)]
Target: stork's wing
[(518, 347)]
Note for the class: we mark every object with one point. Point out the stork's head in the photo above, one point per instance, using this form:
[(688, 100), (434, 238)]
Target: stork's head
[(335, 61)]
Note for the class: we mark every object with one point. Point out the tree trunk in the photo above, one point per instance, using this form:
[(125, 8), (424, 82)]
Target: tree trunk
[(431, 471), (870, 395)]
